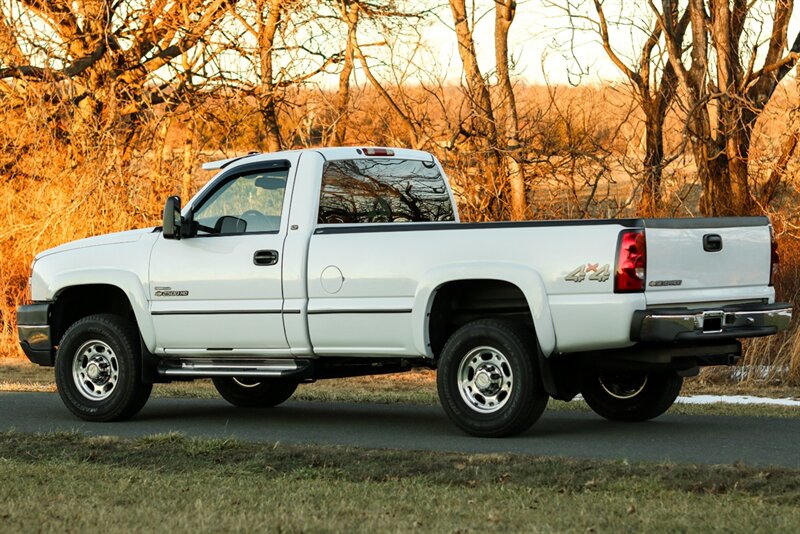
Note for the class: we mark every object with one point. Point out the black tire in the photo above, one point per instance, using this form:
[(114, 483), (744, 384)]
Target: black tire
[(505, 354), (106, 346), (254, 392), (631, 396)]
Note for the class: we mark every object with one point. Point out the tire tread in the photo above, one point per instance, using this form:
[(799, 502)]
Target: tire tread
[(521, 345), (655, 400), (134, 393)]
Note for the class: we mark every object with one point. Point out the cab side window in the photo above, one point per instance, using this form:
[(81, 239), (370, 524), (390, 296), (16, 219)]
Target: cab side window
[(245, 204), (381, 190)]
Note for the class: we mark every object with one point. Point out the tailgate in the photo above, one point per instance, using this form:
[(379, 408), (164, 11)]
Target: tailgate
[(713, 253)]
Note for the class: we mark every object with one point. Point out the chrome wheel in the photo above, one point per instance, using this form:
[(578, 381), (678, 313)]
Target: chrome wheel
[(623, 386), (95, 370), (485, 380)]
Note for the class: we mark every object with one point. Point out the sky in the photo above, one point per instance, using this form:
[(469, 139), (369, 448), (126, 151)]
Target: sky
[(544, 49)]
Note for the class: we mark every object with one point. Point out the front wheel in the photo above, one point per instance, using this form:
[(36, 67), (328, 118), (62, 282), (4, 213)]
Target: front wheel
[(99, 369), (248, 392), (487, 379), (631, 396)]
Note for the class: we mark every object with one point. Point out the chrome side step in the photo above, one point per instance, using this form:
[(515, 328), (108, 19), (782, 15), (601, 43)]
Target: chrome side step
[(205, 368)]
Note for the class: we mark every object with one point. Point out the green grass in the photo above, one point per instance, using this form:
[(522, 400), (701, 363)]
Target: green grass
[(66, 481)]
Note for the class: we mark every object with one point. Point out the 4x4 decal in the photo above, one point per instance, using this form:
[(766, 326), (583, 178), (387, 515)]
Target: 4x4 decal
[(591, 270)]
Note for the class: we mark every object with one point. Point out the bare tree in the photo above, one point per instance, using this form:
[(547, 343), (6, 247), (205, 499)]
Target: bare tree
[(503, 158), (654, 84), (260, 21), (646, 70), (726, 89), (278, 46), (106, 62), (388, 18), (483, 122), (349, 11)]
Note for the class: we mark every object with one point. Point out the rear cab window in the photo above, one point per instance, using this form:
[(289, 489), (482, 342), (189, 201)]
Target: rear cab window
[(383, 190)]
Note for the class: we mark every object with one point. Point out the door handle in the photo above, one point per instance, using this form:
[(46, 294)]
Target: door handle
[(265, 257), (712, 242)]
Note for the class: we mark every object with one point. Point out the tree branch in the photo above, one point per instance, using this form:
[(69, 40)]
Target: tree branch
[(634, 77)]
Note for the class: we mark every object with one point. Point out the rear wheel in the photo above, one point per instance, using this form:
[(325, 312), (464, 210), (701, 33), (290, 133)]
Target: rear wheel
[(487, 379), (631, 396), (99, 369), (249, 392)]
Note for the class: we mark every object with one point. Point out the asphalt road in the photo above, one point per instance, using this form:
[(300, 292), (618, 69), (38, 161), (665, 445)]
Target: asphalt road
[(676, 438)]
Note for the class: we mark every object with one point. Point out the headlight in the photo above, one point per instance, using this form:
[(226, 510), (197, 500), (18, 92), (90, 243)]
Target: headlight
[(30, 281)]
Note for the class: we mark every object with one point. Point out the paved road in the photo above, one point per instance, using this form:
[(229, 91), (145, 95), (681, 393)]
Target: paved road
[(677, 438)]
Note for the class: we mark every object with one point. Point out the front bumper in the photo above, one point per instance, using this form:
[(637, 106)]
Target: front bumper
[(33, 328), (710, 324)]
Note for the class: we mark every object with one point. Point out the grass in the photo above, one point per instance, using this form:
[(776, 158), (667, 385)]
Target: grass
[(171, 483), (414, 387)]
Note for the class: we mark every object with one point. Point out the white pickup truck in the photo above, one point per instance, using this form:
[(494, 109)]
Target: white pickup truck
[(303, 265)]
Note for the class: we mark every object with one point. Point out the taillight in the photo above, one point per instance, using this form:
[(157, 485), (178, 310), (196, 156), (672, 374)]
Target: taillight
[(631, 262), (774, 257)]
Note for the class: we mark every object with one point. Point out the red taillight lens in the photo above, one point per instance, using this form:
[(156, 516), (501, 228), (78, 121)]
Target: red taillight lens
[(631, 262), (774, 257)]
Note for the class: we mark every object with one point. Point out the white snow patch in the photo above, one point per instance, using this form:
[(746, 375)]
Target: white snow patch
[(735, 399)]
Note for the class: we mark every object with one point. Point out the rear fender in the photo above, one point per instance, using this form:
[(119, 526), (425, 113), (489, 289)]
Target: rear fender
[(527, 280)]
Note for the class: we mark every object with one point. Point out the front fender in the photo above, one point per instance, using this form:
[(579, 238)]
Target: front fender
[(127, 281), (526, 279)]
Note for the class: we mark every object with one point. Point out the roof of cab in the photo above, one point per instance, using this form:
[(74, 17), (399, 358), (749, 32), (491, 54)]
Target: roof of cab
[(329, 153)]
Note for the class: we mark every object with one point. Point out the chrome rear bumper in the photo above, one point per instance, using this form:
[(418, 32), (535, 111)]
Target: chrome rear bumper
[(727, 322)]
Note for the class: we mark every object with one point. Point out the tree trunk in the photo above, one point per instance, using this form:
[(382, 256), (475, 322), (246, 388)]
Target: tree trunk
[(653, 161), (730, 133), (267, 27), (737, 148), (483, 129), (504, 16), (481, 102), (716, 198), (349, 12)]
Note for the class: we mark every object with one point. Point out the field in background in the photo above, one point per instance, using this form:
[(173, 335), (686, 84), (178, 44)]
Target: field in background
[(584, 162)]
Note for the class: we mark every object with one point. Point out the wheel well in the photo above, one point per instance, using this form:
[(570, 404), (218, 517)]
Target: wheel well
[(459, 302), (76, 302)]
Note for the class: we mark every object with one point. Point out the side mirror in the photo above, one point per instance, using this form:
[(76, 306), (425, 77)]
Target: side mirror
[(172, 218), (228, 224)]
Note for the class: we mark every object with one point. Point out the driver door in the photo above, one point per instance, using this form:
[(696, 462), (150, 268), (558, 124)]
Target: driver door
[(219, 291)]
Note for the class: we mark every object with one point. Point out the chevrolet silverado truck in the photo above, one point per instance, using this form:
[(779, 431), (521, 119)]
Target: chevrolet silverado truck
[(302, 265)]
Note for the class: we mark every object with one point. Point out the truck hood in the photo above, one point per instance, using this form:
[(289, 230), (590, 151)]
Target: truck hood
[(129, 236)]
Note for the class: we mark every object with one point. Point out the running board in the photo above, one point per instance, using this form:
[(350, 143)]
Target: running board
[(205, 368)]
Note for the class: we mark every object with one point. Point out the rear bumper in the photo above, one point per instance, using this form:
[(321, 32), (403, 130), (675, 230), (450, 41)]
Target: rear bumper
[(710, 324), (33, 329)]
